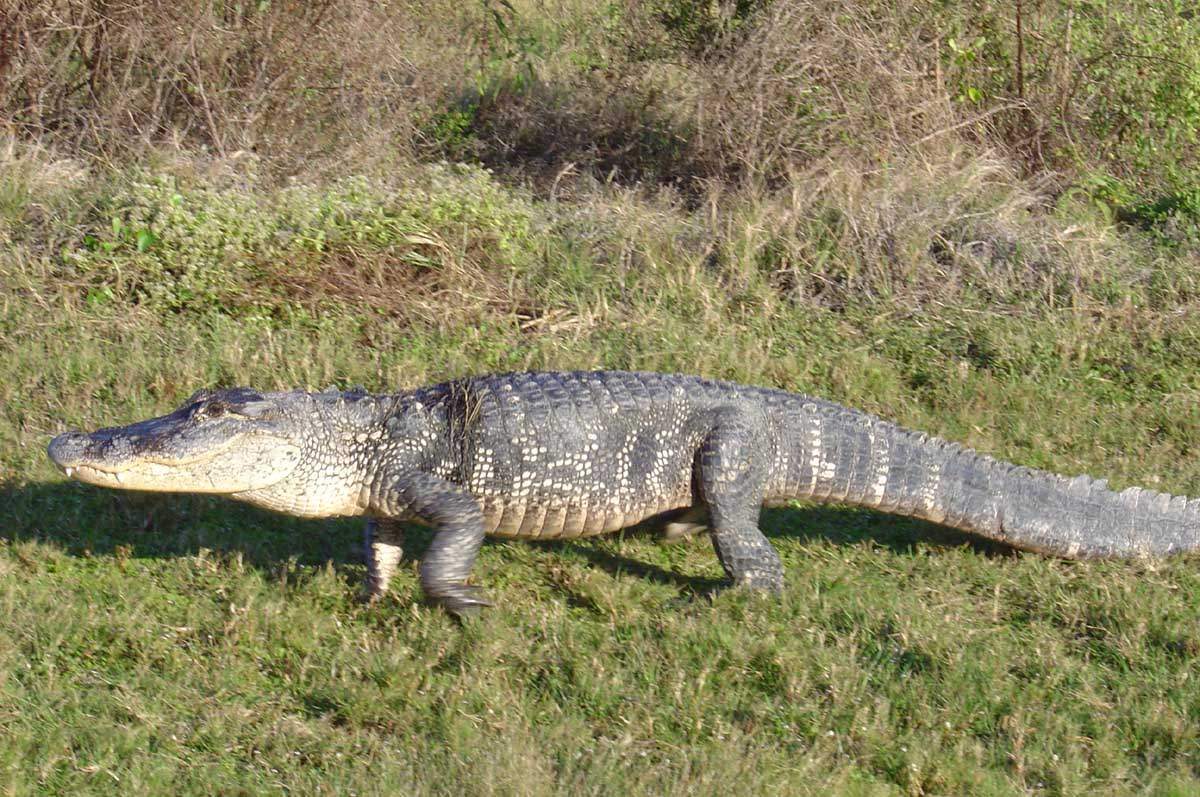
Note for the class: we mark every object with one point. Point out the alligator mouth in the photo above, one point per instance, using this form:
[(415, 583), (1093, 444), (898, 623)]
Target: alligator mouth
[(157, 465), (94, 475), (242, 461)]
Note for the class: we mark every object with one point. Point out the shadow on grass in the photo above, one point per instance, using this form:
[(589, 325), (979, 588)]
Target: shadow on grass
[(616, 564), (842, 525), (90, 521), (848, 525)]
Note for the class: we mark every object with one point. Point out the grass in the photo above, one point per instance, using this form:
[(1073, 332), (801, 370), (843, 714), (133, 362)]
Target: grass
[(191, 645)]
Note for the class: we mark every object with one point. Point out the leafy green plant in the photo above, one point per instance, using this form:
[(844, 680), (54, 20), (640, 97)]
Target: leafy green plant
[(1084, 84), (1175, 216), (509, 51), (169, 245), (962, 57), (123, 236), (451, 131)]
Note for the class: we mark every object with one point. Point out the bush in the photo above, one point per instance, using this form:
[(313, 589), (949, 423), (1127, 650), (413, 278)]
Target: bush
[(433, 245), (1088, 85)]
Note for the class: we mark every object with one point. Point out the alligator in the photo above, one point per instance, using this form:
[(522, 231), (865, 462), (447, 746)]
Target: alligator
[(544, 455)]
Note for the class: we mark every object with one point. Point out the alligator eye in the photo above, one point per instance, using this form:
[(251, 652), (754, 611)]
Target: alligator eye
[(214, 409)]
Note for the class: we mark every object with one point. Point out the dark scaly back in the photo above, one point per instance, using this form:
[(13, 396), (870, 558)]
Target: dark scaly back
[(571, 454)]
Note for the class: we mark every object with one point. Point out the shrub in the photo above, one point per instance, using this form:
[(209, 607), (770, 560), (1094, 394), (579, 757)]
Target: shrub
[(434, 244)]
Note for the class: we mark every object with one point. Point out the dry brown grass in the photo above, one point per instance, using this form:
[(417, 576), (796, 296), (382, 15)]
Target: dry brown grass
[(669, 92), (286, 80), (293, 80), (807, 74), (805, 87), (431, 284), (815, 147)]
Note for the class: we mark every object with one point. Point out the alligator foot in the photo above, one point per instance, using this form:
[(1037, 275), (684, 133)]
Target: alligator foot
[(760, 580), (683, 526), (461, 600), (673, 533)]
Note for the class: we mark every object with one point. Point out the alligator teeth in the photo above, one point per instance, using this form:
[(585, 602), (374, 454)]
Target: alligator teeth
[(70, 472), (119, 479)]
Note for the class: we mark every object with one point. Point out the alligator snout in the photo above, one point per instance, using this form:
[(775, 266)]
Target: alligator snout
[(68, 448)]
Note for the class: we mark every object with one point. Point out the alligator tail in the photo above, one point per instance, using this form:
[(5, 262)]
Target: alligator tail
[(854, 458)]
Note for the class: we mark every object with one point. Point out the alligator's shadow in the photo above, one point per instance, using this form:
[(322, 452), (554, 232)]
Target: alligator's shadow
[(89, 521), (841, 525)]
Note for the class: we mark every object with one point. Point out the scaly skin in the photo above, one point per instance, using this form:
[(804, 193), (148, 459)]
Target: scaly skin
[(563, 455)]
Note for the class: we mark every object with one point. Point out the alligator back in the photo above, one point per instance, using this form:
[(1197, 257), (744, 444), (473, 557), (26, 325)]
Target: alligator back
[(573, 454)]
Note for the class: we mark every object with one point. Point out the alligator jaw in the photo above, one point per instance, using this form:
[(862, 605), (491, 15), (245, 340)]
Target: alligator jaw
[(97, 476), (144, 474)]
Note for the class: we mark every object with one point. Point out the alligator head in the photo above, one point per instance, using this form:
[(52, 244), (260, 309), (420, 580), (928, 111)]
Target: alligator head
[(227, 442)]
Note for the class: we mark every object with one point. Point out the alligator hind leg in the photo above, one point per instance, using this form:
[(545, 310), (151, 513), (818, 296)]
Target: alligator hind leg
[(384, 542), (732, 476)]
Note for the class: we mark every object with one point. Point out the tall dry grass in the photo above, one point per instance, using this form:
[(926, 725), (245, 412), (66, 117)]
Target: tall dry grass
[(285, 80), (616, 95), (828, 149)]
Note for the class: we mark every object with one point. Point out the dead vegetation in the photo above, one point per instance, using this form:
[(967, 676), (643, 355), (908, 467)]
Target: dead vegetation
[(670, 92), (282, 79), (907, 152), (426, 283)]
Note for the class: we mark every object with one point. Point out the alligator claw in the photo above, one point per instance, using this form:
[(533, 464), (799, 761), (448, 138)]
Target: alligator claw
[(461, 600), (760, 581)]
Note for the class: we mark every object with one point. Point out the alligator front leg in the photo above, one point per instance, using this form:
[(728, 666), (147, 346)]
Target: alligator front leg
[(384, 545), (458, 523)]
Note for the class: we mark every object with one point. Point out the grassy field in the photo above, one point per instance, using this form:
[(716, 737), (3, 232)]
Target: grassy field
[(1002, 253)]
